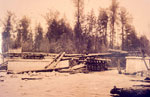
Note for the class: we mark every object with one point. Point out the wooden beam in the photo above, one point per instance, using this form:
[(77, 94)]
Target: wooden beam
[(54, 63)]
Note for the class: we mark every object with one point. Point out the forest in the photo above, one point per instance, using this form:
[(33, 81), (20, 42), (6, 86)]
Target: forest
[(89, 34)]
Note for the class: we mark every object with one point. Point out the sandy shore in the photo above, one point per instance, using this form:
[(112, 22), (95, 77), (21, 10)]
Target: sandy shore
[(54, 84)]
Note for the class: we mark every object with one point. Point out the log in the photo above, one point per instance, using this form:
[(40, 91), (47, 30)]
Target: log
[(31, 78)]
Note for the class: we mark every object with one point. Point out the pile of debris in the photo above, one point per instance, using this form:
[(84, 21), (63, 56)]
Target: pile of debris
[(36, 62)]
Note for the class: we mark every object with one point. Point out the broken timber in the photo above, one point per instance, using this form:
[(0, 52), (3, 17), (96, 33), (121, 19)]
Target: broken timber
[(53, 64), (31, 61), (30, 65), (3, 66), (31, 78)]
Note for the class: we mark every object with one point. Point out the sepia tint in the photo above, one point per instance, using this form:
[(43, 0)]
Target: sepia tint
[(74, 48)]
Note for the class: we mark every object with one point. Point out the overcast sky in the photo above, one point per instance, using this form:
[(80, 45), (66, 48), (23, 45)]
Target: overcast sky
[(139, 9)]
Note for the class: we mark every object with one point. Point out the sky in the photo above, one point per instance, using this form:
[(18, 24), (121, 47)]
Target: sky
[(36, 9)]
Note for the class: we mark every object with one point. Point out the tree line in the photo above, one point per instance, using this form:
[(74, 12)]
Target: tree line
[(111, 29)]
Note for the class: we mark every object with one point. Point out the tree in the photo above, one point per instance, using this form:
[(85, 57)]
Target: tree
[(102, 22), (79, 4), (38, 37), (67, 37), (24, 34), (45, 45), (24, 28), (89, 30), (113, 20), (7, 31), (52, 21), (60, 36), (145, 45), (89, 46), (90, 23), (64, 41), (28, 44), (124, 19), (132, 42)]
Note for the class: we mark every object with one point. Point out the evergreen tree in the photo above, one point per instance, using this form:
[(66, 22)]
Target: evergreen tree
[(38, 37), (113, 20), (7, 31), (24, 34), (125, 20), (78, 30), (102, 26), (132, 42)]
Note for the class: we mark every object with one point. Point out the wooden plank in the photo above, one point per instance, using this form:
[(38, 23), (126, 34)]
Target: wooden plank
[(54, 63), (145, 63), (68, 56), (4, 63), (31, 78), (143, 57), (78, 66), (30, 65)]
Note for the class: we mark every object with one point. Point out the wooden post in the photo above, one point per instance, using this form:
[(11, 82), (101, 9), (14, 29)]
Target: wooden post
[(119, 68), (145, 63)]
